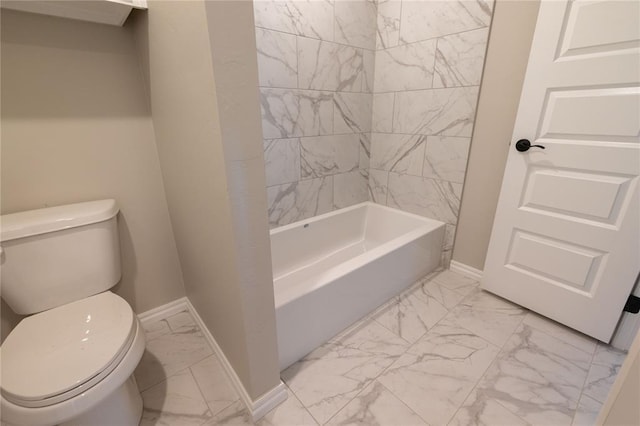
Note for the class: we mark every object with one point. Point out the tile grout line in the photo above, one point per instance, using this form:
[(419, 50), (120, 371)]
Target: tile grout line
[(584, 383)]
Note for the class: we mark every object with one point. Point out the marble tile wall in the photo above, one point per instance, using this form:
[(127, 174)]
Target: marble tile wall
[(316, 61), (428, 64)]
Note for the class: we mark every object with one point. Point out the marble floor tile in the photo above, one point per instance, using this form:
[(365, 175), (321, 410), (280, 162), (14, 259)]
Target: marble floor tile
[(488, 316), (214, 384), (182, 322), (604, 369), (176, 401), (537, 377), (456, 282), (587, 412), (436, 374), (330, 376), (480, 410), (169, 353), (156, 329), (375, 405), (561, 332)]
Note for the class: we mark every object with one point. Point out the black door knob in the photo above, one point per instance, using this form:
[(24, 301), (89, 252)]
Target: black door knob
[(523, 145)]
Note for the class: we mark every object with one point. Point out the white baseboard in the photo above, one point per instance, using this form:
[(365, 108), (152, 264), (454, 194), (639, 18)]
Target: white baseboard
[(260, 406), (466, 270), (164, 311)]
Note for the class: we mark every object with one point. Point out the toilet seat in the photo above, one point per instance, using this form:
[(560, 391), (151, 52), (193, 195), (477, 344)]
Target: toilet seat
[(55, 355)]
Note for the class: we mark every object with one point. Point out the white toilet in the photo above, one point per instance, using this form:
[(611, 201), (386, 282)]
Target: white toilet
[(72, 361)]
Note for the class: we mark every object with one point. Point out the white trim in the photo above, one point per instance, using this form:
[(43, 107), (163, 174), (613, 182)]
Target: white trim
[(164, 311), (263, 404), (466, 270)]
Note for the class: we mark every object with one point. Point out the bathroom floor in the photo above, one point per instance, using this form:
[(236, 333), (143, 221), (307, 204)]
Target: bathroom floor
[(444, 352)]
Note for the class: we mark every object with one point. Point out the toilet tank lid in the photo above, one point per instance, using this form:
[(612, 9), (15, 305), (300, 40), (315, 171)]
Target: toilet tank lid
[(50, 219)]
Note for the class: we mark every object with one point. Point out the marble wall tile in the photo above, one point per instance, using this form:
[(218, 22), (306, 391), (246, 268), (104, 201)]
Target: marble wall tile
[(382, 112), (398, 153), (405, 67), (329, 66), (330, 376), (290, 113), (310, 18), (368, 69), (355, 23), (352, 112), (423, 20), (299, 200), (350, 188), (446, 112), (375, 405), (435, 375), (328, 155), (427, 197), (459, 59), (388, 27), (537, 377), (282, 160), (365, 150), (447, 245), (446, 158), (378, 180), (277, 59)]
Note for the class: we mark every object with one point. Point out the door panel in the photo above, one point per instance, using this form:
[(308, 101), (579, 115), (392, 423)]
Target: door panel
[(566, 236)]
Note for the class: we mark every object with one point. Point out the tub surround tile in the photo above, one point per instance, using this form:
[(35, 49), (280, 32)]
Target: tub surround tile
[(375, 405), (459, 59), (328, 155), (277, 59), (365, 151), (604, 369), (310, 18), (490, 317), (456, 282), (214, 385), (299, 200), (378, 186), (330, 376), (478, 409), (429, 19), (382, 112), (355, 22), (329, 66), (398, 153), (175, 401), (447, 244), (446, 158), (537, 377), (368, 69), (350, 188), (587, 412), (435, 375), (388, 25), (290, 113), (427, 197), (446, 112), (282, 161), (352, 112), (405, 67)]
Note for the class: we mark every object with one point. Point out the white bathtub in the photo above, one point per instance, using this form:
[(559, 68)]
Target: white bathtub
[(331, 270)]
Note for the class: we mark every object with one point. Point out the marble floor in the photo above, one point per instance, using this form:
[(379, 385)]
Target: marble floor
[(442, 353)]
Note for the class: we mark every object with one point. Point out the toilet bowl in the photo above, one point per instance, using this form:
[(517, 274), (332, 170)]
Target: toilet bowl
[(70, 362)]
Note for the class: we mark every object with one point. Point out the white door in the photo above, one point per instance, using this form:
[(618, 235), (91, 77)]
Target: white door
[(565, 241)]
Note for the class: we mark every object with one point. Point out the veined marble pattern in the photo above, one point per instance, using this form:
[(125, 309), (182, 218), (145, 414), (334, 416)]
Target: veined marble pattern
[(405, 67), (324, 65), (382, 112), (282, 161), (446, 112), (388, 28), (291, 202), (398, 153), (459, 59), (355, 23), (365, 150), (277, 59), (350, 188), (423, 20), (352, 112), (446, 158), (378, 184), (329, 155), (288, 113), (310, 18), (371, 375), (368, 69), (427, 197)]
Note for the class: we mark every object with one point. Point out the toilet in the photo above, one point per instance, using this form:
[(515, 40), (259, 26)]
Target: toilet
[(71, 361)]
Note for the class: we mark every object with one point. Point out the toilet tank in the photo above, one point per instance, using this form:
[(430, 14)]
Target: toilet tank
[(57, 255)]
